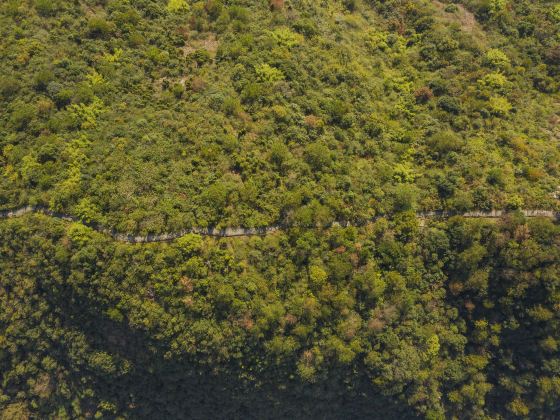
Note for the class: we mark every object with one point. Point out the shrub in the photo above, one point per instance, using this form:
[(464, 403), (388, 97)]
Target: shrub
[(53, 88), (29, 169), (499, 106), (239, 13), (496, 6), (446, 44), (127, 17), (451, 8), (313, 122), (350, 5), (99, 28), (86, 115), (87, 211), (216, 196), (197, 84), (83, 94), (200, 56), (514, 202), (46, 7), (423, 95), (445, 142), (317, 276), (22, 116), (446, 184), (44, 106), (438, 86), (497, 59), (42, 79), (318, 156), (231, 106), (552, 55), (481, 199), (190, 244), (306, 27), (462, 201), (156, 55), (48, 152), (404, 197), (79, 234), (337, 110), (16, 411), (279, 153), (489, 9), (213, 8), (493, 82), (286, 38), (429, 53), (177, 6), (554, 13), (424, 23), (496, 177), (8, 86), (276, 4), (403, 173), (135, 39), (268, 74), (178, 90), (534, 174), (545, 84), (450, 104), (102, 362)]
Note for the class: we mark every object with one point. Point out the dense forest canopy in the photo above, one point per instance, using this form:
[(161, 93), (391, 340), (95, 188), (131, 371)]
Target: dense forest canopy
[(151, 116), (453, 320)]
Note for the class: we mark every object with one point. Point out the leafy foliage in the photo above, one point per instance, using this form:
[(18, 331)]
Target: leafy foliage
[(151, 116), (440, 321), (213, 113)]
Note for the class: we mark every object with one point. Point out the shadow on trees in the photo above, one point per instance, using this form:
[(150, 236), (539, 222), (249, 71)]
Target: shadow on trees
[(160, 388)]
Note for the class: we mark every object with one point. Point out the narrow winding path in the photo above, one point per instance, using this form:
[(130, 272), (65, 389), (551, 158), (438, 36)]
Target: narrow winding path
[(230, 232)]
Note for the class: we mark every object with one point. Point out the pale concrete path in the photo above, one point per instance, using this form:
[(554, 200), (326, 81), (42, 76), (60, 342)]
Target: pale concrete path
[(229, 232)]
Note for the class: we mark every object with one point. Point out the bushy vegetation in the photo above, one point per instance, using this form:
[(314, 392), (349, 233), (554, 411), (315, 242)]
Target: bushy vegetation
[(152, 116)]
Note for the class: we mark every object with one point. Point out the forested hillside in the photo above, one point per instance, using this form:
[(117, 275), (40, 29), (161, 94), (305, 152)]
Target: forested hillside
[(149, 116), (154, 116), (457, 319)]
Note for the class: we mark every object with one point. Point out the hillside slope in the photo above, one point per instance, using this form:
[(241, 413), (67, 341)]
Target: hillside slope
[(150, 116)]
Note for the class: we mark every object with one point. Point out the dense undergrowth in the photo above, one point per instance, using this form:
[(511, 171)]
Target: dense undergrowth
[(152, 116), (149, 116)]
